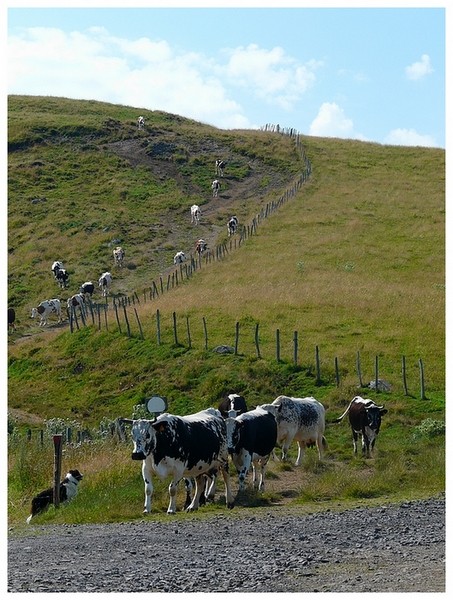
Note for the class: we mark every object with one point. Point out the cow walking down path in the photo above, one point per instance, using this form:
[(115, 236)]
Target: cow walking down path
[(182, 447), (365, 420)]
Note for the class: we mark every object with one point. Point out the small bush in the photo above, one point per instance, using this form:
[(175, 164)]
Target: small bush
[(429, 428)]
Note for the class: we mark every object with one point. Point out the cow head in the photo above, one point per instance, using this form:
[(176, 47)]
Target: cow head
[(144, 438), (233, 431), (373, 416)]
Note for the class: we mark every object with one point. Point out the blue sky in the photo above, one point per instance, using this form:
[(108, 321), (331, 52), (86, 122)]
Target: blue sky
[(375, 74)]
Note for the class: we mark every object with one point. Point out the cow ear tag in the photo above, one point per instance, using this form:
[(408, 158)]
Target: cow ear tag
[(156, 405)]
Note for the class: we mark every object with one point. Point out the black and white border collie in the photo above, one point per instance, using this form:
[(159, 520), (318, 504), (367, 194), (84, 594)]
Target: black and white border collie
[(68, 489)]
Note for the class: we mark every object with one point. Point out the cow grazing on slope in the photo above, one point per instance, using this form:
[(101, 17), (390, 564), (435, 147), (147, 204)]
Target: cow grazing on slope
[(201, 246), (104, 282), (141, 122), (182, 447), (56, 266), (62, 277), (232, 225), (118, 256), (195, 214), (219, 167), (45, 309), (11, 319), (251, 439), (300, 419), (87, 289), (179, 258), (215, 186), (365, 420), (233, 402)]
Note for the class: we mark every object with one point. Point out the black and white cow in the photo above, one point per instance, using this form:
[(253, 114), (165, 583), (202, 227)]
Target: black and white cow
[(215, 186), (219, 167), (182, 447), (105, 280), (365, 420), (11, 319), (62, 277), (77, 301), (56, 266), (233, 402), (87, 289), (201, 246), (251, 439), (141, 122), (195, 214), (179, 258), (300, 419), (118, 256), (45, 309), (233, 224)]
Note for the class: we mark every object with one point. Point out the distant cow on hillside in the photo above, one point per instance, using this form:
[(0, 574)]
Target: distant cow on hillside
[(11, 319), (141, 122), (233, 225), (179, 258), (201, 246), (219, 167), (45, 309), (195, 214), (105, 281), (118, 256)]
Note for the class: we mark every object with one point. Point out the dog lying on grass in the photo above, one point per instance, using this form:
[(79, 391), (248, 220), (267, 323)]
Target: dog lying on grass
[(68, 490)]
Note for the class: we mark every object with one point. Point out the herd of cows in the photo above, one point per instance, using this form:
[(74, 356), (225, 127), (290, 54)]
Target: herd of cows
[(197, 446)]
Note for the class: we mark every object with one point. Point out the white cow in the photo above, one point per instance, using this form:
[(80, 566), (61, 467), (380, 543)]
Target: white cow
[(233, 224), (104, 282), (76, 301), (45, 309), (179, 258), (118, 256), (215, 186), (195, 214), (141, 122), (300, 419)]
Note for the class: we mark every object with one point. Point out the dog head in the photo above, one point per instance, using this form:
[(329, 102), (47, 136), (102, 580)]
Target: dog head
[(76, 474)]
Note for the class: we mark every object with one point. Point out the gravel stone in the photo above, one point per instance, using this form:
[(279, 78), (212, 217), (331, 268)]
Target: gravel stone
[(392, 548)]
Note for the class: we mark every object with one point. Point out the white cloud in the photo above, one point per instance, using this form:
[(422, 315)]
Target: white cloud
[(94, 65), (409, 137), (331, 121), (420, 69), (272, 75)]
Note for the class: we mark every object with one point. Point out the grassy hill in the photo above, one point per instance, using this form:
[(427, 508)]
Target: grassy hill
[(354, 263)]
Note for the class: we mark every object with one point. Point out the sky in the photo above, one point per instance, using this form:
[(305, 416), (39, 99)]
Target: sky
[(372, 74)]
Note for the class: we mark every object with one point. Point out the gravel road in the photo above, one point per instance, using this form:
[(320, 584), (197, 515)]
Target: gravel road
[(390, 548)]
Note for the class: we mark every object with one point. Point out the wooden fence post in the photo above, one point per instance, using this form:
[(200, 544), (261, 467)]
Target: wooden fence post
[(57, 439), (205, 328), (175, 333), (318, 366), (337, 372), (139, 324), (359, 369), (158, 327), (403, 371), (422, 380), (376, 373), (127, 322), (257, 341), (117, 318)]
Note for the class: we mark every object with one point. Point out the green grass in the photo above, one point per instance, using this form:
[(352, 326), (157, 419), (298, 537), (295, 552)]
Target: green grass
[(353, 263)]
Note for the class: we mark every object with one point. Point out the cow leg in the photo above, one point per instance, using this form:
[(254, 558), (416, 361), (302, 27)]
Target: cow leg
[(199, 488), (228, 490), (189, 487), (171, 510), (211, 487), (300, 454), (146, 473), (354, 440), (261, 463), (242, 465)]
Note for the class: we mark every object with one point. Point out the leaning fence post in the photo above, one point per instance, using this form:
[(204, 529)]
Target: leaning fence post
[(139, 324), (57, 469), (175, 333), (189, 340)]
